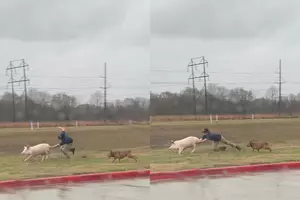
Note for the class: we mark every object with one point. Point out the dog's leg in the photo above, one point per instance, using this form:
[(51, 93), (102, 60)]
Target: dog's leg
[(114, 160), (194, 148), (180, 151), (47, 155), (135, 158), (27, 158)]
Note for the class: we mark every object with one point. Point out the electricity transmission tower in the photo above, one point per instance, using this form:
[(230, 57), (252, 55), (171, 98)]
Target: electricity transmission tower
[(193, 65), (105, 87), (12, 68), (280, 82), (193, 77)]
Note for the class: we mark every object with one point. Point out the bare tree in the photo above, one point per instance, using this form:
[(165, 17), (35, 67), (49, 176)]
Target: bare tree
[(40, 97), (272, 93), (96, 99)]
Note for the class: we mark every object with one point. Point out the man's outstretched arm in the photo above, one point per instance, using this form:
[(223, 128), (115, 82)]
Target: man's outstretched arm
[(61, 128), (202, 140)]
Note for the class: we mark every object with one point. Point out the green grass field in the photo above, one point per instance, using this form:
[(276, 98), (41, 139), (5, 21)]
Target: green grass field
[(91, 142), (150, 144), (283, 134)]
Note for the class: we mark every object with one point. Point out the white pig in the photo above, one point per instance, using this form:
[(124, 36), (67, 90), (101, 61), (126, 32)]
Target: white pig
[(37, 150), (185, 143)]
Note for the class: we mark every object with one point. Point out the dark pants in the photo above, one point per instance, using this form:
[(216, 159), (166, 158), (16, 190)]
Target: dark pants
[(224, 141), (65, 148)]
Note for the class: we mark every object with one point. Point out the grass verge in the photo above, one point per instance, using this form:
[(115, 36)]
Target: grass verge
[(168, 160), (13, 167)]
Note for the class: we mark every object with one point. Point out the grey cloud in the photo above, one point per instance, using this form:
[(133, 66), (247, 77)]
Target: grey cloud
[(56, 20), (215, 19)]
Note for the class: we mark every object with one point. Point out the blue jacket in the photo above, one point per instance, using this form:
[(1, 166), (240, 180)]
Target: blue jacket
[(216, 137), (65, 139)]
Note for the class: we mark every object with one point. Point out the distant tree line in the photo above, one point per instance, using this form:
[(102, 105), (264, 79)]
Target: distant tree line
[(43, 106), (222, 100)]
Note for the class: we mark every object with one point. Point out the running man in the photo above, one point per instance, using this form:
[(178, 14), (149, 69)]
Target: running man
[(216, 138), (66, 143)]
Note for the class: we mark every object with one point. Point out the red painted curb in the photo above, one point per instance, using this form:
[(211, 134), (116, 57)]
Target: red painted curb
[(223, 171), (75, 179)]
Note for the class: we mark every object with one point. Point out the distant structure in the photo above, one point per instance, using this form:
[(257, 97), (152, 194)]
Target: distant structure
[(13, 66), (193, 66)]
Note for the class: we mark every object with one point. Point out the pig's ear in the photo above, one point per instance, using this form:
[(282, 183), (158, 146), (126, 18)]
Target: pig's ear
[(172, 141)]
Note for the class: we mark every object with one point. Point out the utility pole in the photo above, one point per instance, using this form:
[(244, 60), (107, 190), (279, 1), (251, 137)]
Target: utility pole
[(105, 91), (204, 75), (280, 82), (12, 67)]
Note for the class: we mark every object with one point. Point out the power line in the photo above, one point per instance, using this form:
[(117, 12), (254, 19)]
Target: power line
[(174, 83), (85, 87), (214, 72)]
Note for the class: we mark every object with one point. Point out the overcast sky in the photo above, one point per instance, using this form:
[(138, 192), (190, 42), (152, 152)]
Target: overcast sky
[(67, 42), (241, 40)]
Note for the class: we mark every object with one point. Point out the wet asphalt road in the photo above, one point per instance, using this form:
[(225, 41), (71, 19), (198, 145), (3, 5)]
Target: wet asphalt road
[(267, 186), (120, 190), (273, 186)]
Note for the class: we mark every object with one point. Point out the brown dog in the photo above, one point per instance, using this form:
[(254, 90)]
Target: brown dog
[(259, 145), (120, 155)]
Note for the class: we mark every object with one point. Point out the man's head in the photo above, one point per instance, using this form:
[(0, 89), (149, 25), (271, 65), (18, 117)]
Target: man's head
[(205, 130), (62, 135)]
